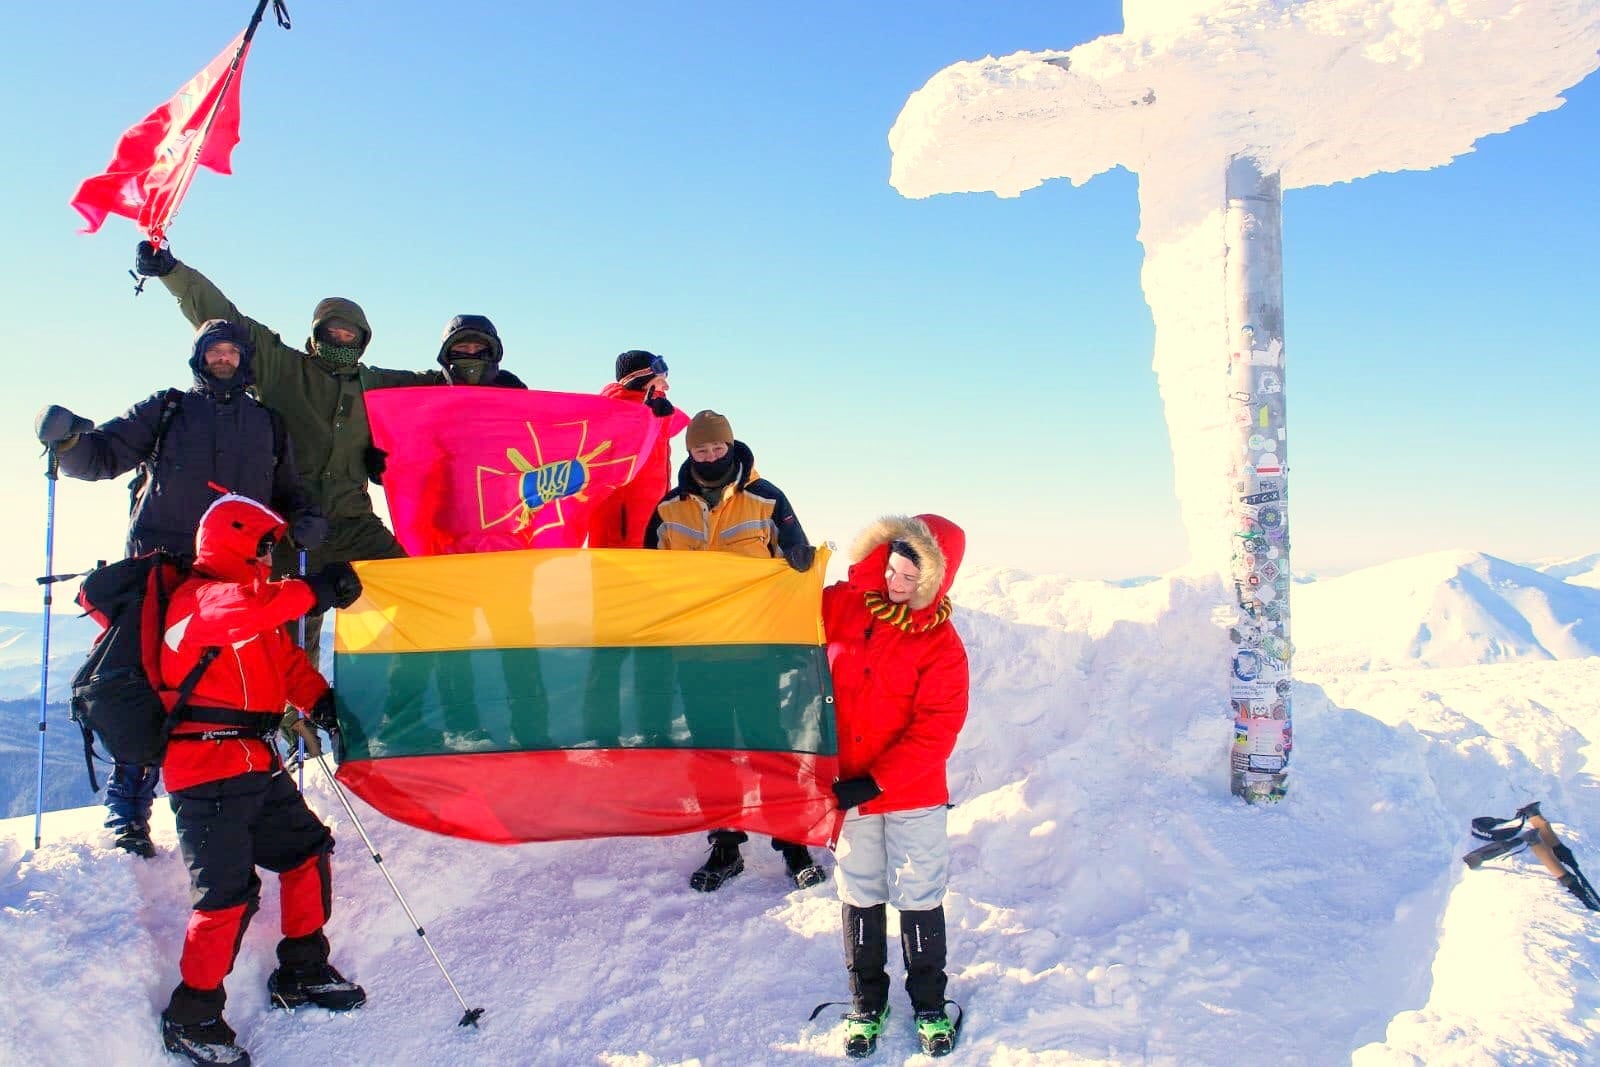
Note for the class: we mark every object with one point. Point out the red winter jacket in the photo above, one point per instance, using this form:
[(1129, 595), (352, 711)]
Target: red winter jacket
[(900, 685), (230, 603), (620, 519)]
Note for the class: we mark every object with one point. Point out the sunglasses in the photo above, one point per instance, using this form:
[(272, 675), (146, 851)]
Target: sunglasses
[(265, 545)]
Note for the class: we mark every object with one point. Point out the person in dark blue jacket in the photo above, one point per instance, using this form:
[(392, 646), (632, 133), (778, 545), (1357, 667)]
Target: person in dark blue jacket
[(188, 448)]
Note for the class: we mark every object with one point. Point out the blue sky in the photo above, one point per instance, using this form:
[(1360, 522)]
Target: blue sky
[(709, 181)]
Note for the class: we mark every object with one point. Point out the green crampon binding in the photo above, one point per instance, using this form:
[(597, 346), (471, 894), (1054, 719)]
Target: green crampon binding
[(861, 1030), (937, 1032)]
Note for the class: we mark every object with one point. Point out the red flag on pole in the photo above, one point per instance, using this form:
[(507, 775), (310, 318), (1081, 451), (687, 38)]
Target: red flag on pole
[(156, 158)]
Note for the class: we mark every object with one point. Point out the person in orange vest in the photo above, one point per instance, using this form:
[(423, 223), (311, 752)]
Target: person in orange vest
[(722, 505)]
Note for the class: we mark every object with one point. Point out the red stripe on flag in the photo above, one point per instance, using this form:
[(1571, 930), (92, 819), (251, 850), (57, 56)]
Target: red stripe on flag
[(570, 794)]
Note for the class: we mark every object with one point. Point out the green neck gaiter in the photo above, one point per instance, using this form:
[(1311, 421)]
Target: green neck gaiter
[(339, 355)]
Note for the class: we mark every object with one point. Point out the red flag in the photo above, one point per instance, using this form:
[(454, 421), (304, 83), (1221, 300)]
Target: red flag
[(156, 159), (479, 469)]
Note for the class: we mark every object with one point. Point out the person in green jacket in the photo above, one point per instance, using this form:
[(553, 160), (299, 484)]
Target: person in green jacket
[(320, 392)]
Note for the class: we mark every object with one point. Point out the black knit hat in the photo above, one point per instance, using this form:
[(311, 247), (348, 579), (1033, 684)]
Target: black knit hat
[(631, 362)]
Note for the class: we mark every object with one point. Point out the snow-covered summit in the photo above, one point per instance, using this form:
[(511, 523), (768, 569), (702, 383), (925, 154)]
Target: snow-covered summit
[(1109, 901)]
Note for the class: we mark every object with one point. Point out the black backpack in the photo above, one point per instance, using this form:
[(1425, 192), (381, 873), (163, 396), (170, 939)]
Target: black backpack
[(116, 694)]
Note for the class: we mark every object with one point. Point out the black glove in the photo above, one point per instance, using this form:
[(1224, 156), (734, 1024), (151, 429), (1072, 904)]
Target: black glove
[(153, 262), (377, 462), (56, 425), (800, 557), (309, 529), (854, 792), (661, 406), (334, 586), (323, 715)]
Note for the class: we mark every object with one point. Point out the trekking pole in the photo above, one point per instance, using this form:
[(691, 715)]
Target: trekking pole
[(300, 742), (1533, 831), (51, 473), (472, 1015), (1559, 860)]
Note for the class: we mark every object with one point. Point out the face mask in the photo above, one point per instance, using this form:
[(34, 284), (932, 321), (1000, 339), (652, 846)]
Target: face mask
[(471, 371), (339, 355), (715, 471)]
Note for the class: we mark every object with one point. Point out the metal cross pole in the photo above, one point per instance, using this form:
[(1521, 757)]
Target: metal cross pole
[(1259, 689)]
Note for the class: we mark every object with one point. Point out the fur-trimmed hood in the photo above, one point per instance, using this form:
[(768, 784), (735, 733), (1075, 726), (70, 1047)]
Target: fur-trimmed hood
[(939, 542)]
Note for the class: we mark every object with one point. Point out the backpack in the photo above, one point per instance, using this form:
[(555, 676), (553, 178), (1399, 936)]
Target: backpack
[(116, 694)]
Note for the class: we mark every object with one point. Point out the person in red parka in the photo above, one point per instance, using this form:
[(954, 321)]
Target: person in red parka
[(619, 521), (235, 808), (900, 689)]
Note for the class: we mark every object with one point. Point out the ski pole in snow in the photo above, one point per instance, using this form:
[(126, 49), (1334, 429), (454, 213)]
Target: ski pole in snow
[(51, 471), (471, 1015), (300, 742)]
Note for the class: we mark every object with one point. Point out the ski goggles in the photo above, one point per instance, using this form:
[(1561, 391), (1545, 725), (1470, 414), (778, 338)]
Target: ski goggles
[(657, 367), (268, 542)]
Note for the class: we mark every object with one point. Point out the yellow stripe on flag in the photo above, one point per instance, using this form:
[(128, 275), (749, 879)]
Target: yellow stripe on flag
[(584, 598)]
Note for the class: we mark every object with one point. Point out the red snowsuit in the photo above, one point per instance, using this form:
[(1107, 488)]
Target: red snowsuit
[(620, 519), (899, 683), (236, 809)]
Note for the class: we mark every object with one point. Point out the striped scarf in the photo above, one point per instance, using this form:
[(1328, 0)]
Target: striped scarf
[(899, 615)]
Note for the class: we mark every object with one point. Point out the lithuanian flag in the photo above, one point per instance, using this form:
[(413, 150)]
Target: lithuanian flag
[(548, 695)]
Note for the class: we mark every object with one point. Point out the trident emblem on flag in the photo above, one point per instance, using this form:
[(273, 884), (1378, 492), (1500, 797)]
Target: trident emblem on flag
[(538, 488)]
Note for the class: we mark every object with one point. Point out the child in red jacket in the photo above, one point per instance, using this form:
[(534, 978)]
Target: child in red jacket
[(900, 690), (236, 808)]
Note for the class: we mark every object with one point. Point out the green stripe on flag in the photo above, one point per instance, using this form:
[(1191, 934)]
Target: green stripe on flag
[(771, 698)]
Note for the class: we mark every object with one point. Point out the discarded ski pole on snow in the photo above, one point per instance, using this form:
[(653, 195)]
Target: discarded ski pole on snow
[(1509, 835), (471, 1015)]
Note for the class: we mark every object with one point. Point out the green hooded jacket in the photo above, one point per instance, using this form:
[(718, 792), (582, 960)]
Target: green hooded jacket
[(323, 405)]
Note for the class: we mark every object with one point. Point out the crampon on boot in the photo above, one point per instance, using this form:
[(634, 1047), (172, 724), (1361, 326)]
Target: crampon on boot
[(210, 1041), (135, 840), (937, 1032), (724, 864), (804, 872), (861, 1030), (321, 986)]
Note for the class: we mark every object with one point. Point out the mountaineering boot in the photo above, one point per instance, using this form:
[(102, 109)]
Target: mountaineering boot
[(192, 1026), (208, 1041), (304, 977), (724, 863), (803, 870), (135, 840), (861, 1030), (936, 1032), (321, 986), (922, 942)]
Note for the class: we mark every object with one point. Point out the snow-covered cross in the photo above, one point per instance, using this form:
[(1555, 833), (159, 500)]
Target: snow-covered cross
[(1217, 105)]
